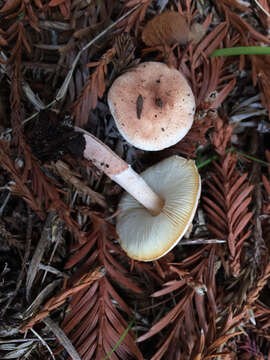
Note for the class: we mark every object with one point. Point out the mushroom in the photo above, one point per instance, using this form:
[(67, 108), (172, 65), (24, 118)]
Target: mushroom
[(159, 205), (153, 106), (145, 237)]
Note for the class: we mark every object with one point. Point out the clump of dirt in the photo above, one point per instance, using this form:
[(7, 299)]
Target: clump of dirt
[(52, 138)]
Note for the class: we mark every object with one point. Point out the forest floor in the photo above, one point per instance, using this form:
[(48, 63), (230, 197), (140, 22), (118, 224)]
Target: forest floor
[(67, 289)]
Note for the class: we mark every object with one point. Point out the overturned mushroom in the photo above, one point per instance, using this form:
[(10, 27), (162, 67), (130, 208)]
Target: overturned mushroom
[(159, 205), (153, 106)]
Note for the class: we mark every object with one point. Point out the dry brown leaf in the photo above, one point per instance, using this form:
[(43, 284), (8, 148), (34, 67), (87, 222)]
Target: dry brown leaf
[(170, 27), (72, 177), (93, 89), (39, 251), (62, 338), (228, 212), (177, 313), (10, 5), (136, 17), (56, 301), (222, 340)]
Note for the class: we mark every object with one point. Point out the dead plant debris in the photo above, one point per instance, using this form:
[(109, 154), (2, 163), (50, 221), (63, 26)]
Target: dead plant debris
[(67, 290)]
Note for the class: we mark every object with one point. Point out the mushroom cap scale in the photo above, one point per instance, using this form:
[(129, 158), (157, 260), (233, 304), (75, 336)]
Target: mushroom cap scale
[(153, 106), (145, 237)]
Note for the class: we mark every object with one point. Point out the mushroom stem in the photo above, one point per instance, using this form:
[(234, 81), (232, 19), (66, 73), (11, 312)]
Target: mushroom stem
[(121, 173)]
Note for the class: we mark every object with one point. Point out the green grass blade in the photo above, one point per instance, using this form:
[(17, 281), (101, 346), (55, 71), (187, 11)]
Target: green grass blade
[(231, 149), (252, 158), (120, 340), (206, 162), (242, 50)]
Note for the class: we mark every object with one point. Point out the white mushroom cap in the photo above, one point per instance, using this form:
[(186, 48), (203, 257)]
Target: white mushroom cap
[(145, 237), (153, 106)]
